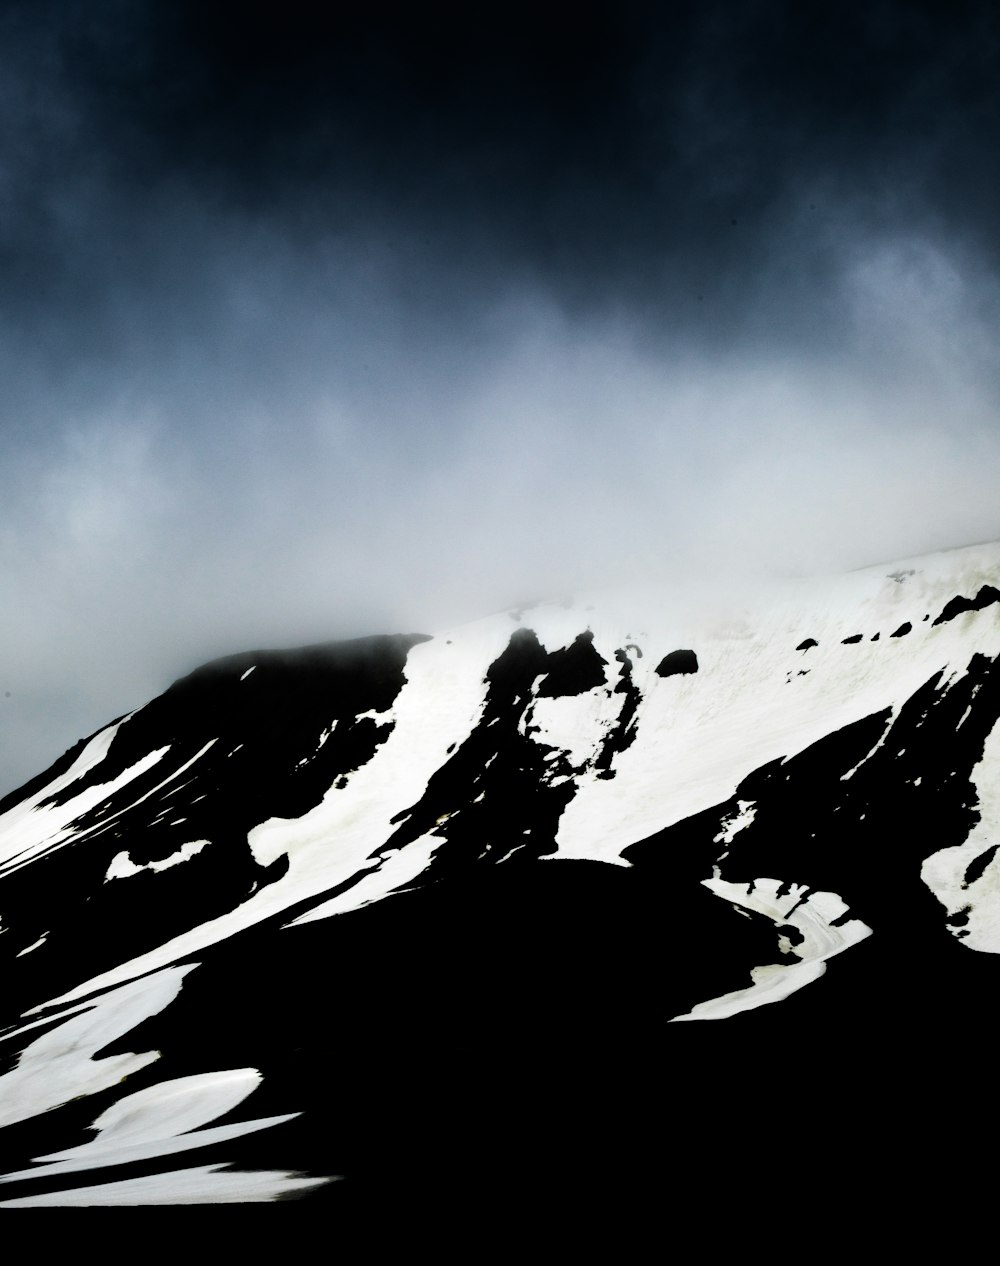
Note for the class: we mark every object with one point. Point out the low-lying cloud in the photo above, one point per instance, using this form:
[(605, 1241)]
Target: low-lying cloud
[(314, 324), (370, 461)]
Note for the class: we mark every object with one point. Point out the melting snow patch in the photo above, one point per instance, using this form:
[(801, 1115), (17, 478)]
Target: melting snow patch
[(885, 734), (122, 866), (170, 778), (31, 829), (60, 1065), (397, 870), (204, 1184), (746, 812), (573, 724), (160, 1120), (812, 916), (947, 872)]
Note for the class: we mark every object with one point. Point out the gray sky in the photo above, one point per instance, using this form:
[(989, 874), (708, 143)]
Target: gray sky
[(314, 325)]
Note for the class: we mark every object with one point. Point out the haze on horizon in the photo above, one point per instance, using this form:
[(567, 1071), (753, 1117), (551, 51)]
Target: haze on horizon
[(315, 324)]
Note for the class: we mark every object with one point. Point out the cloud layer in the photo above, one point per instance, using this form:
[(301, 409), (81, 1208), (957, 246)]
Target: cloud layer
[(312, 327)]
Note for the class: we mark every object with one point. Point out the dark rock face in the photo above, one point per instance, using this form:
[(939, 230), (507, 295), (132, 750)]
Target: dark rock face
[(501, 794), (959, 605), (270, 706), (623, 733), (677, 662), (497, 795), (574, 670)]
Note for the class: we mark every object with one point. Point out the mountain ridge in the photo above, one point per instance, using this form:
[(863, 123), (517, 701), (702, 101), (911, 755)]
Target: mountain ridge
[(813, 789)]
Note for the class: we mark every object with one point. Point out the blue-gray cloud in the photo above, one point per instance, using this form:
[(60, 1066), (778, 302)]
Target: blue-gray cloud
[(319, 328)]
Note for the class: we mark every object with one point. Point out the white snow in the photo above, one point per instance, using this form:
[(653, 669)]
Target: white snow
[(811, 915), (152, 792), (731, 827), (60, 1065), (437, 707), (700, 734), (33, 946), (203, 1184), (576, 724), (122, 866), (943, 872), (160, 1120), (29, 829)]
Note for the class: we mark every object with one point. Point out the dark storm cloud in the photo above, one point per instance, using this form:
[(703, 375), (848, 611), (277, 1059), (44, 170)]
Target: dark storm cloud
[(316, 319), (605, 152)]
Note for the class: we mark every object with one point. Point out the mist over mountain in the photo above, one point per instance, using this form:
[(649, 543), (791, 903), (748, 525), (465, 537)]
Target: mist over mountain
[(647, 900), (315, 321)]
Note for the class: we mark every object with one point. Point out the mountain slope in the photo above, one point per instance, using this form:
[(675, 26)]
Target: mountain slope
[(325, 879)]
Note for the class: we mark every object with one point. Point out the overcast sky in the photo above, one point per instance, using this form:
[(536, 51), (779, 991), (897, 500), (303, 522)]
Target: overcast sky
[(323, 319)]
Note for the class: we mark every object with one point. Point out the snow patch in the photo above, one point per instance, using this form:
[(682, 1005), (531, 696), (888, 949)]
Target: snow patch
[(813, 918), (160, 1120), (203, 1184), (122, 866), (31, 829), (746, 811), (60, 1065), (944, 871)]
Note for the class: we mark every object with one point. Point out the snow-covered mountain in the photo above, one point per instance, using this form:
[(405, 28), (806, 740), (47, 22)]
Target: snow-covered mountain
[(584, 897)]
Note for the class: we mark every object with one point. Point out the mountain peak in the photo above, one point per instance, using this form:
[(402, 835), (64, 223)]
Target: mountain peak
[(784, 795)]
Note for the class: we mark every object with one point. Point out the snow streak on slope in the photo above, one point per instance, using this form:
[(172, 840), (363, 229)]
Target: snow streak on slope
[(64, 1064), (966, 877), (160, 1121), (812, 915), (781, 774), (42, 823)]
